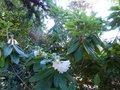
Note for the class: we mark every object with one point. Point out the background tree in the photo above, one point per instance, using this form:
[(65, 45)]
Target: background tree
[(82, 5)]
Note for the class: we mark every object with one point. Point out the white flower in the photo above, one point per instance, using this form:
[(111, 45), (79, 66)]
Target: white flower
[(61, 66), (12, 42), (36, 52)]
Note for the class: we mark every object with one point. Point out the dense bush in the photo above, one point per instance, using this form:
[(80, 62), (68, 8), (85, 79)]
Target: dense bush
[(73, 56)]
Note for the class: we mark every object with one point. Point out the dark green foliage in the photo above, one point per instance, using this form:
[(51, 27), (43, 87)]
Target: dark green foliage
[(115, 17), (74, 37), (30, 8), (14, 52), (78, 54), (85, 29), (96, 79), (52, 79)]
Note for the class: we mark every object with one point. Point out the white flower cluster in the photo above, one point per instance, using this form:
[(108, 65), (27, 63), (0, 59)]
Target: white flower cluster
[(61, 66), (12, 41), (36, 52)]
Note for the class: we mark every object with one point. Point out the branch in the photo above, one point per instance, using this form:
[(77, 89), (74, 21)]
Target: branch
[(20, 78)]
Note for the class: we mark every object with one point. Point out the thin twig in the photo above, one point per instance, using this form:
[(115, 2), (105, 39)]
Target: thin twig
[(20, 78), (7, 33)]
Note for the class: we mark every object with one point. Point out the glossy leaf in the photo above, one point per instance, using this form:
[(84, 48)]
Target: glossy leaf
[(78, 54), (8, 50), (45, 61), (54, 89), (63, 84), (41, 75), (72, 87), (43, 85), (15, 58), (73, 47), (69, 77), (2, 61), (90, 50), (34, 78), (57, 80), (97, 40), (114, 8), (113, 15), (2, 58), (20, 52), (96, 79)]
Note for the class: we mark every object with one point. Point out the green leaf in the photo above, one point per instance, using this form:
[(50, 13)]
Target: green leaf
[(34, 78), (72, 86), (2, 61), (96, 79), (54, 89), (8, 50), (41, 75), (46, 73), (43, 85), (78, 54), (15, 58), (115, 8), (90, 50), (2, 58), (36, 67), (113, 15), (63, 84), (69, 77), (73, 47), (56, 80), (97, 40), (118, 52), (22, 54), (98, 44)]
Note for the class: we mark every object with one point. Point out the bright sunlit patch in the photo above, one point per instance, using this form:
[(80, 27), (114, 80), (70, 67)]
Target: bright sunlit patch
[(63, 3), (49, 23), (109, 36), (102, 7)]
